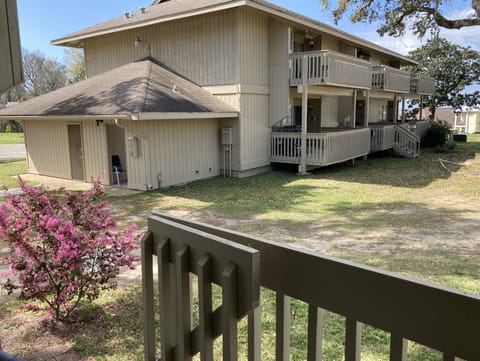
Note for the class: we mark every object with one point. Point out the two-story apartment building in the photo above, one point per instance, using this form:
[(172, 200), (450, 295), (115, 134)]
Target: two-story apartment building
[(184, 90)]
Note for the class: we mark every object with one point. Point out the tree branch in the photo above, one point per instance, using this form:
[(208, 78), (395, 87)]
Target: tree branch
[(447, 23)]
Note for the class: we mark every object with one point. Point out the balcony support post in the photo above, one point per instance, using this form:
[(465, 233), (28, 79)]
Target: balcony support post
[(354, 110), (395, 109), (302, 168), (421, 108), (366, 110), (403, 108)]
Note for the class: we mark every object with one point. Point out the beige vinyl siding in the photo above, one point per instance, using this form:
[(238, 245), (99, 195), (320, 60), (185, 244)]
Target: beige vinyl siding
[(329, 43), (329, 117), (176, 151), (253, 47), (95, 152), (201, 48), (254, 100), (254, 137), (47, 147), (278, 71)]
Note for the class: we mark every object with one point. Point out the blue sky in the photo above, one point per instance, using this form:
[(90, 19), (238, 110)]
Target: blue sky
[(45, 20)]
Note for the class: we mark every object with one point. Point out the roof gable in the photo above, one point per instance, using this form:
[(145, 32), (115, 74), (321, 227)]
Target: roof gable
[(170, 10)]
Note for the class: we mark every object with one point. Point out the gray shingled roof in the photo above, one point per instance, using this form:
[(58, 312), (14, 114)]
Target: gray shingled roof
[(173, 9), (140, 87)]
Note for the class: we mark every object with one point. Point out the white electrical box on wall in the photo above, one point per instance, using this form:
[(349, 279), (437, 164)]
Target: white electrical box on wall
[(226, 135), (132, 147)]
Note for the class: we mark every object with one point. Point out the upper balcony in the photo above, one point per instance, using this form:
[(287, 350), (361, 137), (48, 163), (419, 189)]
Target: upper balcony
[(422, 85), (391, 79), (326, 67)]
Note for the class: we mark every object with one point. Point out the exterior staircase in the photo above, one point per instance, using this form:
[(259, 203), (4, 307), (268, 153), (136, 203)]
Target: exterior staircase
[(406, 143)]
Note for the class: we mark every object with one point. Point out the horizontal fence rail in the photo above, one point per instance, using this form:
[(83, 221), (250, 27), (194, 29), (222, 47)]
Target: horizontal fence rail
[(322, 148), (438, 317), (391, 79), (331, 68)]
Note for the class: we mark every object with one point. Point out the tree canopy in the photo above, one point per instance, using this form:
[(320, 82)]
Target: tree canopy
[(395, 15), (43, 74), (75, 65), (455, 69)]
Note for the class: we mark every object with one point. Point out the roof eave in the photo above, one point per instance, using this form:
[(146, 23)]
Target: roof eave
[(185, 115), (67, 117), (67, 40), (328, 30)]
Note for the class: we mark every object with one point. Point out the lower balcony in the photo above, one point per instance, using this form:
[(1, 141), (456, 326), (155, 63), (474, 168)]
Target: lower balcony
[(328, 67), (332, 146)]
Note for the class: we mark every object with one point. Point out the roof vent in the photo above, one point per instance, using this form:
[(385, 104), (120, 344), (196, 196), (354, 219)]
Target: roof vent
[(174, 89), (127, 15), (142, 10)]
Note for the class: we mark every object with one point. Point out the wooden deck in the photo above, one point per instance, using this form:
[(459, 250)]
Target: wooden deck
[(334, 145)]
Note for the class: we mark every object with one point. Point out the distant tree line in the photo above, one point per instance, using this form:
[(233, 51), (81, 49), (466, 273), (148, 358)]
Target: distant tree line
[(42, 75)]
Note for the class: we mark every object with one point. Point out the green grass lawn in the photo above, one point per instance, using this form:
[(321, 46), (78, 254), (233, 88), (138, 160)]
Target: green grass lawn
[(419, 217), (8, 172), (11, 138)]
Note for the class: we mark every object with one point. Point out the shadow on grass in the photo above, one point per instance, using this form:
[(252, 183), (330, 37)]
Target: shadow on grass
[(116, 328), (386, 168)]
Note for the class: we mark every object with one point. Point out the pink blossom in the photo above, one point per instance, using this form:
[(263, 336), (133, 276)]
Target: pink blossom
[(63, 245)]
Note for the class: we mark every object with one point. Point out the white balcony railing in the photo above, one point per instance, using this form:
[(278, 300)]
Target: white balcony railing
[(382, 137), (390, 79), (438, 317), (328, 67), (423, 85), (322, 148)]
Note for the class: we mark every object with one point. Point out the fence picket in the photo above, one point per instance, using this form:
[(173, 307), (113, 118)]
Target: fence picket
[(148, 304), (315, 333), (255, 334), (183, 305), (282, 327), (353, 340), (398, 348), (229, 313), (205, 308)]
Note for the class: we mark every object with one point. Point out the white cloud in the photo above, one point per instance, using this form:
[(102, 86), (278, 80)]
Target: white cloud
[(461, 14), (466, 36), (402, 44)]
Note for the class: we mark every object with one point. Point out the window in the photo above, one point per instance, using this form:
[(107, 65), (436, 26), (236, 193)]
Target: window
[(382, 113)]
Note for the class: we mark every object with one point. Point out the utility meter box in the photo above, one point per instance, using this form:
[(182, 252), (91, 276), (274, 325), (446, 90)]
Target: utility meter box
[(226, 136), (132, 147)]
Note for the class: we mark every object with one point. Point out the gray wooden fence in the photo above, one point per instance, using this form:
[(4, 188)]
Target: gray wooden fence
[(437, 317)]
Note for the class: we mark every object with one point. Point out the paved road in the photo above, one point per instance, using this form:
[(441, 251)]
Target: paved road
[(11, 151)]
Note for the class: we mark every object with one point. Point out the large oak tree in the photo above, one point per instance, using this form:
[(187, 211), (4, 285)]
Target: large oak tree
[(395, 15), (456, 70)]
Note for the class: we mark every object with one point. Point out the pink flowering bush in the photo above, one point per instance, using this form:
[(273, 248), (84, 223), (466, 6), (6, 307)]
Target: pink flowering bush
[(63, 246)]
